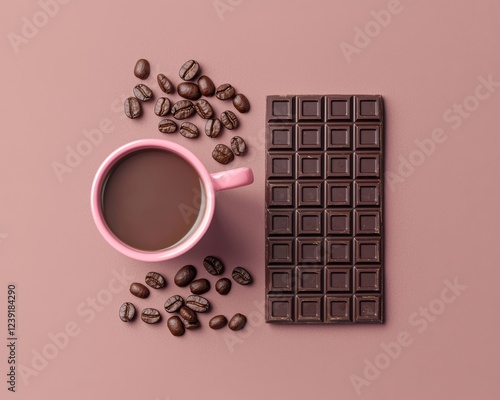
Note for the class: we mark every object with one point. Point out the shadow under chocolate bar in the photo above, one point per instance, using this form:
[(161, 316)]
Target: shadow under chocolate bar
[(324, 196)]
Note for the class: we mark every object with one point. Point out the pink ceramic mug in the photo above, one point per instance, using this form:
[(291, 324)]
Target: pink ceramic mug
[(211, 183)]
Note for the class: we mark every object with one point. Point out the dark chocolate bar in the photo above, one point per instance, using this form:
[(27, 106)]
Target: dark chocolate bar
[(324, 195)]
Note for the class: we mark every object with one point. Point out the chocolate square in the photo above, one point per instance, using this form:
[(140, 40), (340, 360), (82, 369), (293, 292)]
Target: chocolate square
[(309, 222), (309, 251), (338, 108), (280, 279), (310, 136), (367, 165), (367, 308), (338, 193), (309, 165), (310, 279), (338, 136), (337, 279), (367, 136), (280, 222), (338, 165), (280, 108), (309, 108), (280, 251), (338, 308), (309, 308), (368, 107), (309, 193), (367, 279), (280, 194), (280, 308), (281, 137), (367, 222), (338, 222)]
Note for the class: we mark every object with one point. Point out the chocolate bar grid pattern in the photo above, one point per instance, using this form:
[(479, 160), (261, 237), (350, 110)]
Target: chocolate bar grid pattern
[(324, 225)]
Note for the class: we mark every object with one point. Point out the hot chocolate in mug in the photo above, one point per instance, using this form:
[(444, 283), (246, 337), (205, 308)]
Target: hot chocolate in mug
[(153, 200)]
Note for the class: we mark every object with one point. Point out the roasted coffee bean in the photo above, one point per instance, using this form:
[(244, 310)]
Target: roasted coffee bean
[(127, 312), (173, 303), (238, 146), (142, 69), (218, 322), (204, 109), (224, 91), (167, 126), (175, 326), (132, 108), (237, 322), (213, 128), (207, 87), (139, 290), (241, 276), (213, 265), (189, 70), (222, 154), (229, 120), (150, 315), (200, 286), (162, 106), (223, 286), (185, 275), (165, 84), (190, 325), (189, 130), (241, 103), (189, 90), (182, 109), (187, 314), (197, 303), (142, 92), (155, 280)]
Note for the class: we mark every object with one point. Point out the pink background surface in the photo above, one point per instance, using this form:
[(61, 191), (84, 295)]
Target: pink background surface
[(442, 217)]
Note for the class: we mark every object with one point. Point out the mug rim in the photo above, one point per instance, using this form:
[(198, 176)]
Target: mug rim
[(190, 239)]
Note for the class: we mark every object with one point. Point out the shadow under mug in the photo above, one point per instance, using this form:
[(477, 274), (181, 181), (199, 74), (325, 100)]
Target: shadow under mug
[(210, 183)]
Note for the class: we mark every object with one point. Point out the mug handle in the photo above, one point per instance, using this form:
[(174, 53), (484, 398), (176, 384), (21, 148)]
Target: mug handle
[(232, 178)]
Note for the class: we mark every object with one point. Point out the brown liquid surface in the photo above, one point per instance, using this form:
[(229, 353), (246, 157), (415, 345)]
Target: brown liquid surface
[(151, 199)]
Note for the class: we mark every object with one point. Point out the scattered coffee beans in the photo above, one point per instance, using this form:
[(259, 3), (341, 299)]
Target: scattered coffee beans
[(200, 286), (222, 154), (218, 322), (127, 312), (237, 322), (142, 69), (185, 275), (155, 280), (150, 315), (229, 120), (238, 146), (241, 276), (223, 286), (132, 108), (241, 103), (167, 126), (224, 91), (142, 92), (173, 303), (213, 265), (203, 109), (187, 314), (162, 106), (189, 90), (182, 109), (139, 290), (165, 84), (189, 70), (213, 127), (189, 130), (175, 326), (198, 303), (207, 87)]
